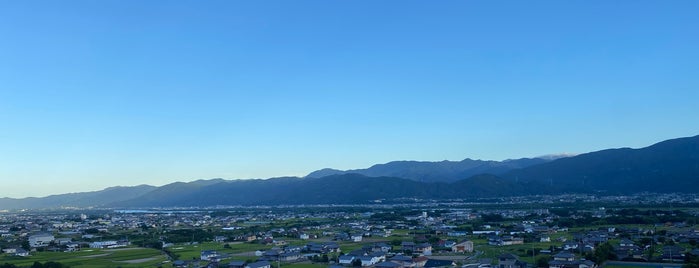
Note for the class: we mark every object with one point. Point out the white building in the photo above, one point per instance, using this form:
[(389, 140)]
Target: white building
[(207, 255), (40, 240), (465, 246), (109, 244), (356, 238)]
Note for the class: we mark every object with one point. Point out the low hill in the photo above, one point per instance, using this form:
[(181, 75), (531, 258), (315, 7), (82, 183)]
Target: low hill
[(85, 199)]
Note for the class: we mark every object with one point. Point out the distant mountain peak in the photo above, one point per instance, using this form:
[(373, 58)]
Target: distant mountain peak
[(552, 157)]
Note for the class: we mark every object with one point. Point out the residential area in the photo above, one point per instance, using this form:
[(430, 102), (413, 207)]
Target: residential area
[(555, 232)]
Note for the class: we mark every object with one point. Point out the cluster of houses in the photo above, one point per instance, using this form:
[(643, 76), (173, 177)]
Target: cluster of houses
[(446, 230), (48, 242), (215, 264)]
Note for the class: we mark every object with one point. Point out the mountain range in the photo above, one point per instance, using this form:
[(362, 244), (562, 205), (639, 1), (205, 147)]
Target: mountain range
[(443, 171), (667, 166)]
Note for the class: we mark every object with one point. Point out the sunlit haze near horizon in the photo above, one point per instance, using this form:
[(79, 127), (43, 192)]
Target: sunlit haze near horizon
[(96, 94)]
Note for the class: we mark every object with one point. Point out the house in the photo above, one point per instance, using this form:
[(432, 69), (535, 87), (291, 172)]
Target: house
[(342, 237), (673, 253), (259, 264), (109, 244), (424, 248), (456, 233), (179, 263), (480, 263), (388, 264), (332, 247), (566, 259), (357, 252), (407, 246), (368, 260), (570, 245), (208, 255), (9, 250), (508, 260), (402, 260), (541, 229), (236, 264), (271, 254), (315, 248), (381, 247), (40, 240), (380, 233), (380, 256), (290, 256), (465, 246), (304, 236), (439, 263), (63, 241), (420, 261), (626, 243), (323, 248), (21, 253), (446, 243), (346, 259), (510, 240), (564, 256), (356, 238), (586, 264), (72, 246)]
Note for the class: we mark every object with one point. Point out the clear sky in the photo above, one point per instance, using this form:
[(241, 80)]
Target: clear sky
[(102, 93)]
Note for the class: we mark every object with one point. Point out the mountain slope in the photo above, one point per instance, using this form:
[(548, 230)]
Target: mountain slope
[(85, 199), (335, 189), (668, 166), (444, 171)]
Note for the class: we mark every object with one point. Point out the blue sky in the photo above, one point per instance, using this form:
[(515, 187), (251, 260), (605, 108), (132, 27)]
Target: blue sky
[(102, 93)]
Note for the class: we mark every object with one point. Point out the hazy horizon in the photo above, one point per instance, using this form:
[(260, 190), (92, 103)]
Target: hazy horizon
[(98, 94), (187, 180)]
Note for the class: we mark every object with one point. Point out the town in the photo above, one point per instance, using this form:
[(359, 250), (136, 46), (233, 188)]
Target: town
[(563, 231)]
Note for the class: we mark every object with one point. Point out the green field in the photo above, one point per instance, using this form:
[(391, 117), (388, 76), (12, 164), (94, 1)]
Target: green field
[(124, 257), (189, 252)]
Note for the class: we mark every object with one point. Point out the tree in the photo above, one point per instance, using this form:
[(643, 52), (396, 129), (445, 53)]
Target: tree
[(543, 261), (52, 264), (433, 239), (603, 253), (357, 263)]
